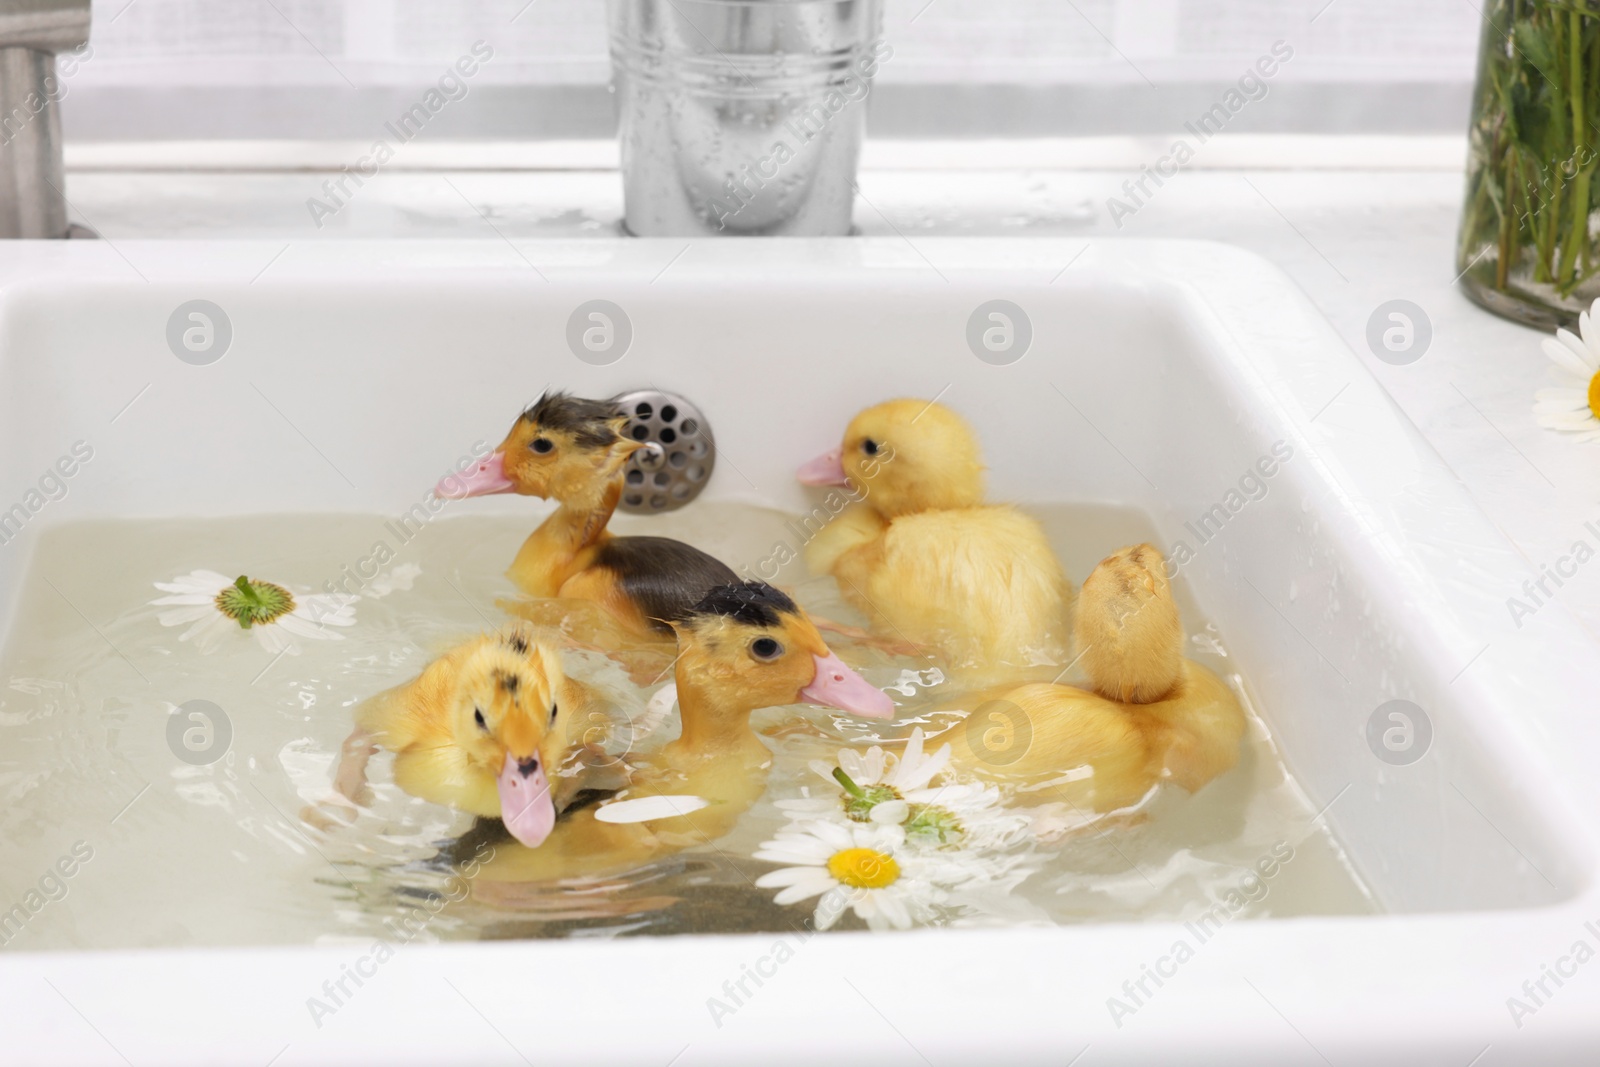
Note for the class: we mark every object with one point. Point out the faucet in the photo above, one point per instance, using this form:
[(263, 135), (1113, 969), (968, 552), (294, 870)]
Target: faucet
[(32, 203)]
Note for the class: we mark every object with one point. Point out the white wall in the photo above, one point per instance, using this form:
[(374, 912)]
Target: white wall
[(332, 68)]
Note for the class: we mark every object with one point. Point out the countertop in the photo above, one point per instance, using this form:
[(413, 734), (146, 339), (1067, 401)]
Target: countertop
[(1356, 222)]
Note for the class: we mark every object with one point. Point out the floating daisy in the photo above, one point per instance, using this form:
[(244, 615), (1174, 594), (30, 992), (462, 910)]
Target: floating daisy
[(880, 788), (1575, 407), (862, 868), (213, 606), (897, 849)]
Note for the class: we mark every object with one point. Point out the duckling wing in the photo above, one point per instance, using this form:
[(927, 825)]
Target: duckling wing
[(662, 578), (980, 582), (441, 773), (1203, 723), (855, 527), (1069, 744), (406, 714)]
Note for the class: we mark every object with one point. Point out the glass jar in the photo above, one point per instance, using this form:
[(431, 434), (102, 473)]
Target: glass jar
[(1527, 247)]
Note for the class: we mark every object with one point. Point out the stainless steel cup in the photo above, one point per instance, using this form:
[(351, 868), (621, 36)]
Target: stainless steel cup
[(742, 116)]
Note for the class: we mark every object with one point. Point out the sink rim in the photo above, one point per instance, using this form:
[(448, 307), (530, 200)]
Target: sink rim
[(1414, 987)]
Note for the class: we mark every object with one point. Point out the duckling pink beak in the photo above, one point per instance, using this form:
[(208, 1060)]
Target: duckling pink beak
[(525, 804), (826, 469), (488, 477), (837, 686)]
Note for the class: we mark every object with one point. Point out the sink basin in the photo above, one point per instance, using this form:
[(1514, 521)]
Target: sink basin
[(223, 379)]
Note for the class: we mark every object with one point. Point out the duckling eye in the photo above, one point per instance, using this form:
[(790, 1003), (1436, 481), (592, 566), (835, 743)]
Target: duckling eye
[(542, 445), (765, 648), (553, 713), (870, 447), (477, 717)]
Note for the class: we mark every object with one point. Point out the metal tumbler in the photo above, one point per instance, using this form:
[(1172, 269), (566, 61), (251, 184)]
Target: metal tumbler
[(742, 116)]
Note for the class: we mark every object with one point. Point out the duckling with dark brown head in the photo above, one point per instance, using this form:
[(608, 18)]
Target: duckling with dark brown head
[(572, 450), (743, 647)]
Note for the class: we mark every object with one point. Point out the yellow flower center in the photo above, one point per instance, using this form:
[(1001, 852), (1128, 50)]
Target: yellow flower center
[(1594, 395), (863, 868)]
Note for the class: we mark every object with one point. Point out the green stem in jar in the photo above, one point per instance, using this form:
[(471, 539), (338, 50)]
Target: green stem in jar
[(1515, 185), (1578, 230)]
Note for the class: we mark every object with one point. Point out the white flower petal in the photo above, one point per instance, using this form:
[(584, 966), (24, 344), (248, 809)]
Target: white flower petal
[(819, 883), (1583, 349), (180, 616), (779, 855), (830, 907), (910, 760), (872, 766), (1566, 355), (1591, 336), (209, 632), (1569, 420), (836, 837), (647, 809), (957, 796), (784, 877), (1551, 407), (806, 850), (891, 812), (850, 762), (893, 908), (919, 774), (273, 638), (883, 838), (209, 601), (206, 583)]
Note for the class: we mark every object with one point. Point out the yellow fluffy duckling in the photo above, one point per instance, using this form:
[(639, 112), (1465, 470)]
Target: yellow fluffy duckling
[(921, 554), (1150, 716), (572, 450), (486, 729), (743, 647)]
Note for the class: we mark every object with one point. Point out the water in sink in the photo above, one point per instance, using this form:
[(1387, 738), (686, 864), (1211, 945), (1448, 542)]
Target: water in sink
[(163, 852)]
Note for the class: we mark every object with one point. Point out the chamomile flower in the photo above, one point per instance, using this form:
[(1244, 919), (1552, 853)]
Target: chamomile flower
[(898, 849), (880, 788), (861, 868), (214, 606), (1574, 407)]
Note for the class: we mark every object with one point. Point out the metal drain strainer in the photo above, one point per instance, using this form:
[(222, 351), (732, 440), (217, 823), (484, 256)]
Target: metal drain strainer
[(677, 464)]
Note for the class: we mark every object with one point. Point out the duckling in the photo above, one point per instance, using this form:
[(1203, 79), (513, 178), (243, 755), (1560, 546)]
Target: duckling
[(743, 647), (572, 450), (921, 554), (486, 729), (1150, 715)]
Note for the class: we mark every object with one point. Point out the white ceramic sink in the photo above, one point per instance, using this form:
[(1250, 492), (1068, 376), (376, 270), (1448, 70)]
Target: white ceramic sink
[(1158, 376)]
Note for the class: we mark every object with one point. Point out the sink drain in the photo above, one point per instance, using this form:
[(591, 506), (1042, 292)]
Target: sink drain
[(677, 463)]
